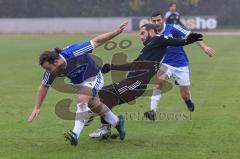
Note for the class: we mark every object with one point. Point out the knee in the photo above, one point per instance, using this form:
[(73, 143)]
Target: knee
[(82, 99), (82, 107), (100, 109), (161, 80)]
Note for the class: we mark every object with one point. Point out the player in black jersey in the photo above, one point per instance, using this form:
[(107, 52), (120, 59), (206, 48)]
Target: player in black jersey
[(141, 71)]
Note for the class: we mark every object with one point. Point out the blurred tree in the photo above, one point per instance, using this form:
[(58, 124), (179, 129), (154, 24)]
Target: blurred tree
[(136, 5), (186, 2), (226, 11)]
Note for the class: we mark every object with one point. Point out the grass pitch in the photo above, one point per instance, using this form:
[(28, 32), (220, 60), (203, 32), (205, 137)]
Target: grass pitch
[(212, 132)]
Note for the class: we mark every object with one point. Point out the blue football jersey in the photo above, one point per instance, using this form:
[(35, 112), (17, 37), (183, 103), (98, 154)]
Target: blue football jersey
[(79, 64), (175, 56)]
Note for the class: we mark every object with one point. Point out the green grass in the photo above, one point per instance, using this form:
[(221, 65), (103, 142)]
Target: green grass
[(212, 132)]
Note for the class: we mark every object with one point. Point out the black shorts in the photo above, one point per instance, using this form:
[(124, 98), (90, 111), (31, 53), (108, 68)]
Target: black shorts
[(128, 89)]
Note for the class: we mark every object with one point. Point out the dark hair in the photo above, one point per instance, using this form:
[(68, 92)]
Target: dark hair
[(149, 26), (49, 56), (156, 13), (172, 3)]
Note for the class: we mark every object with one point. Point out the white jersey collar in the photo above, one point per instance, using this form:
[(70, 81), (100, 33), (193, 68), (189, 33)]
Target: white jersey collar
[(63, 59)]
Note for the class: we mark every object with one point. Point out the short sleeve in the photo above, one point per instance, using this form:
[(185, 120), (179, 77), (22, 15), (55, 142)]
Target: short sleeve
[(179, 31), (77, 49), (47, 79), (86, 47)]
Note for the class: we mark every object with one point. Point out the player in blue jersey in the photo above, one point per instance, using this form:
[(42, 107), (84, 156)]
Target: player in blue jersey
[(75, 63), (175, 64)]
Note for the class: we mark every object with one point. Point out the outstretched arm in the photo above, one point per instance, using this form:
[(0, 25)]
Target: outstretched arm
[(101, 39), (167, 41), (133, 66), (207, 50), (41, 93)]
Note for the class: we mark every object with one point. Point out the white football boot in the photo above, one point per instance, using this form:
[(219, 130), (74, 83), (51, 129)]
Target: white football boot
[(103, 132)]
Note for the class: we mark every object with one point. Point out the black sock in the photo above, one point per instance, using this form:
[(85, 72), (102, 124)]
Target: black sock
[(189, 102), (190, 105)]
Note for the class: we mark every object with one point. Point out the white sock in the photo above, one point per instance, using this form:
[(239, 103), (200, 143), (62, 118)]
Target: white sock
[(79, 124), (78, 127), (110, 118), (155, 98)]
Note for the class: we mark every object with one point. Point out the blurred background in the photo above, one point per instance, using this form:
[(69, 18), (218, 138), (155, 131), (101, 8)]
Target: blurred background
[(53, 16), (28, 27)]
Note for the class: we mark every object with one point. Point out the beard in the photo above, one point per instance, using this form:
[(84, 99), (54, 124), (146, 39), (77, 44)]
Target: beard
[(59, 70), (147, 40), (158, 27)]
